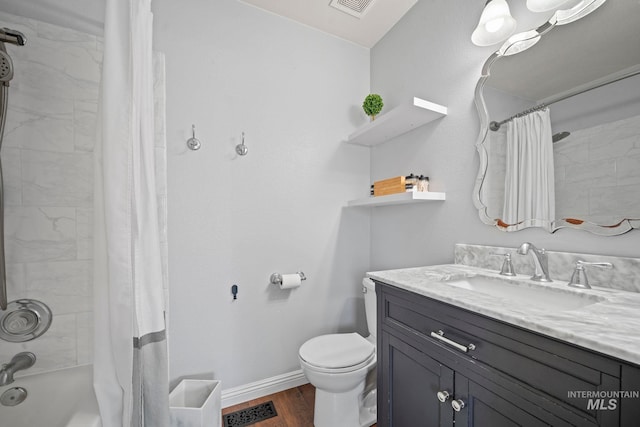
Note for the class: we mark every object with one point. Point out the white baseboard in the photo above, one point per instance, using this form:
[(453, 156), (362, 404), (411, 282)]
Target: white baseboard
[(261, 388)]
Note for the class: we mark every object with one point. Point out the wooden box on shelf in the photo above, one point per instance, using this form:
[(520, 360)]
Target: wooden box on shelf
[(389, 186)]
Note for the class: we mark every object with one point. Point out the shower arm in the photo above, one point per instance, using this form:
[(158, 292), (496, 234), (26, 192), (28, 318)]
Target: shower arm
[(12, 36)]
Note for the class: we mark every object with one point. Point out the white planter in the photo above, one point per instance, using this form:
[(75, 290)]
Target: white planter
[(196, 403)]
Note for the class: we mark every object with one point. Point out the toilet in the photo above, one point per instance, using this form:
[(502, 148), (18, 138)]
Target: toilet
[(342, 369)]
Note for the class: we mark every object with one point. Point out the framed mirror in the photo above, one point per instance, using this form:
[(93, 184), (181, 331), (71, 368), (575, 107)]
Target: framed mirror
[(583, 67)]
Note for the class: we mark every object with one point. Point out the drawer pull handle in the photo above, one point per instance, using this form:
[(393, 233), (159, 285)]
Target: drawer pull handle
[(457, 405), (443, 396), (440, 336)]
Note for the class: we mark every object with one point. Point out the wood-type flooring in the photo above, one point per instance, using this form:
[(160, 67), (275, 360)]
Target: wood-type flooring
[(294, 407)]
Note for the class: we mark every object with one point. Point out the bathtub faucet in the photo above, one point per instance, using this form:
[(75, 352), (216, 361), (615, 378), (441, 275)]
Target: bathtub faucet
[(19, 362)]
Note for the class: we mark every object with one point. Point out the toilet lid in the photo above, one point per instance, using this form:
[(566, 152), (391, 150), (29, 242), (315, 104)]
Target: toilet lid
[(336, 350)]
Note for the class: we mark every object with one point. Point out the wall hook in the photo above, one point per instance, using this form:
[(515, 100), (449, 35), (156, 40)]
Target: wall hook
[(242, 149), (193, 143)]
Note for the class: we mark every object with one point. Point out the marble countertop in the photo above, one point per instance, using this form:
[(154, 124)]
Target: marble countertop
[(610, 324)]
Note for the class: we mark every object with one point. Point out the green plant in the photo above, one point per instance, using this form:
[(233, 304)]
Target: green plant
[(372, 105)]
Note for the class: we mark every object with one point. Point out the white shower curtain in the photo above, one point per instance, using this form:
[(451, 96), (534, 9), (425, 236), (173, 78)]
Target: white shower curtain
[(529, 180), (130, 357)]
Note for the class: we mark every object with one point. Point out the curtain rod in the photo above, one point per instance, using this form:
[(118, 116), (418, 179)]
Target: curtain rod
[(494, 126)]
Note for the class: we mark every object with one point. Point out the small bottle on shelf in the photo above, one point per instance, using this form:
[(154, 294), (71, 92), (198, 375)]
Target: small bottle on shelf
[(423, 183), (411, 183)]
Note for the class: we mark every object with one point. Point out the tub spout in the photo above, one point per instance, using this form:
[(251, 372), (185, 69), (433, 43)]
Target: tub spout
[(19, 362)]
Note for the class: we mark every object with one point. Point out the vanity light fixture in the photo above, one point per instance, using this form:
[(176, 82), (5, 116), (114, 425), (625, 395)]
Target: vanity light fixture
[(496, 24), (580, 10), (544, 5), (520, 42)]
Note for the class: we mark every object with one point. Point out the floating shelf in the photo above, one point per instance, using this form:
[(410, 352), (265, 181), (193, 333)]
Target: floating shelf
[(398, 199), (399, 120)]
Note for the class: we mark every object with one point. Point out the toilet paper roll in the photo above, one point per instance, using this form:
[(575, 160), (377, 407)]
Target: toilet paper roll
[(290, 281)]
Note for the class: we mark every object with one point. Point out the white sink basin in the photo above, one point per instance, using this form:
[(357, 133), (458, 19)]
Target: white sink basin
[(527, 294)]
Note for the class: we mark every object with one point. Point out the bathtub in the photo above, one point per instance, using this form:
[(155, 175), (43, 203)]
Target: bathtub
[(63, 398)]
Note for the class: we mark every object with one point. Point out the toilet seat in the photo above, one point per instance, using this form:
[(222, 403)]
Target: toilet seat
[(336, 353)]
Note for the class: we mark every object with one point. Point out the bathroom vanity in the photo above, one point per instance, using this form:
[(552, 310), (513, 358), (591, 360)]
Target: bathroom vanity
[(540, 355)]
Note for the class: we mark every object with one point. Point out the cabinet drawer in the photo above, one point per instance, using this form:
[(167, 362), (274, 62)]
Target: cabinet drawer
[(540, 362)]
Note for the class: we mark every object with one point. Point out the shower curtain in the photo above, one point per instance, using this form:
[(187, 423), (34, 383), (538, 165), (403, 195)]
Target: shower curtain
[(529, 199), (130, 357)]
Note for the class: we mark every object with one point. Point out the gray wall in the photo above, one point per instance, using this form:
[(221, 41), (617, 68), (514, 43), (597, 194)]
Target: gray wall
[(429, 54), (294, 91)]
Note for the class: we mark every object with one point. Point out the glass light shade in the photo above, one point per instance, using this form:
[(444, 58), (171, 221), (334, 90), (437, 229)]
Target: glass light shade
[(520, 42), (544, 5), (496, 24), (580, 10)]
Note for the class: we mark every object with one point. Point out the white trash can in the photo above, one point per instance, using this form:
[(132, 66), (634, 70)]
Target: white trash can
[(196, 403)]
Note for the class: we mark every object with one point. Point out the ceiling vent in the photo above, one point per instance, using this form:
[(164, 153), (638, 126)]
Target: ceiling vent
[(355, 8)]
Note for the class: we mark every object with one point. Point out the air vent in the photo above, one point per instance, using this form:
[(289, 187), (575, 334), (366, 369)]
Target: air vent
[(355, 8)]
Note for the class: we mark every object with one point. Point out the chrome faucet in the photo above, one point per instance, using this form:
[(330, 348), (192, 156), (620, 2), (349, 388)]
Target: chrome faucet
[(20, 361), (540, 262)]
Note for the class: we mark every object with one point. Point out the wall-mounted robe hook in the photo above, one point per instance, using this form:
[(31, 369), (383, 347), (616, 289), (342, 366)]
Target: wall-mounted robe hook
[(193, 143), (242, 149)]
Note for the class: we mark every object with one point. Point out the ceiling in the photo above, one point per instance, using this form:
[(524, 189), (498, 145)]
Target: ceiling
[(366, 31), (378, 18)]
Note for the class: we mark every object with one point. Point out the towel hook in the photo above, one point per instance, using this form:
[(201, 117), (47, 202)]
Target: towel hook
[(242, 149), (193, 143)]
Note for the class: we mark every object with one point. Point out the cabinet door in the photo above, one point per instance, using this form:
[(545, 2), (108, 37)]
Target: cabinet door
[(482, 407), (408, 387)]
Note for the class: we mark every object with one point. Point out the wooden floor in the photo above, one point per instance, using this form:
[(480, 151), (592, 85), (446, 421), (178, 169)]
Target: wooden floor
[(294, 407)]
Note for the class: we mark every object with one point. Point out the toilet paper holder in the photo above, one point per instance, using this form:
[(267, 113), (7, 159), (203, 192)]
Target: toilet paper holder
[(276, 278)]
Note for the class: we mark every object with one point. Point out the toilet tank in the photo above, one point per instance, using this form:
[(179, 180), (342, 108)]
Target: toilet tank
[(369, 290)]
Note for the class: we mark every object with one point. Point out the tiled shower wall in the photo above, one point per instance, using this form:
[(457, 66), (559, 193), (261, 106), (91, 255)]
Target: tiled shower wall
[(47, 163), (598, 169)]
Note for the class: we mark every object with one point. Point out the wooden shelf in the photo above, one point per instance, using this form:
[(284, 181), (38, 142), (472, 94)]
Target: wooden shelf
[(399, 120), (398, 199)]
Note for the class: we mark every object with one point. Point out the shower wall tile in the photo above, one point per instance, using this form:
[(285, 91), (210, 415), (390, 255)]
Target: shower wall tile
[(57, 34), (84, 344), (66, 286), (11, 171), (628, 170), (15, 281), (85, 116), (57, 179), (84, 233), (38, 121), (601, 173), (35, 234), (626, 199)]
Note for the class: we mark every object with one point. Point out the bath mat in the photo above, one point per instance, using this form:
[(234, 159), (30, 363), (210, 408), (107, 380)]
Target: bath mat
[(249, 416)]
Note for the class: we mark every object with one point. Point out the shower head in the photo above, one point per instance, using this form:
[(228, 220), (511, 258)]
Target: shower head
[(6, 65), (6, 68), (560, 136)]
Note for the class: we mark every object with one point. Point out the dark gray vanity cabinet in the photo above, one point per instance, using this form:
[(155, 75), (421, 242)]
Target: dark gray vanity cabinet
[(489, 373)]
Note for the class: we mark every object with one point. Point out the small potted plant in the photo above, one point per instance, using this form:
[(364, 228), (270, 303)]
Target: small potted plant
[(372, 105)]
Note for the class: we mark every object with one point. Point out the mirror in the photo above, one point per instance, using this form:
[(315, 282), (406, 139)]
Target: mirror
[(588, 74)]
